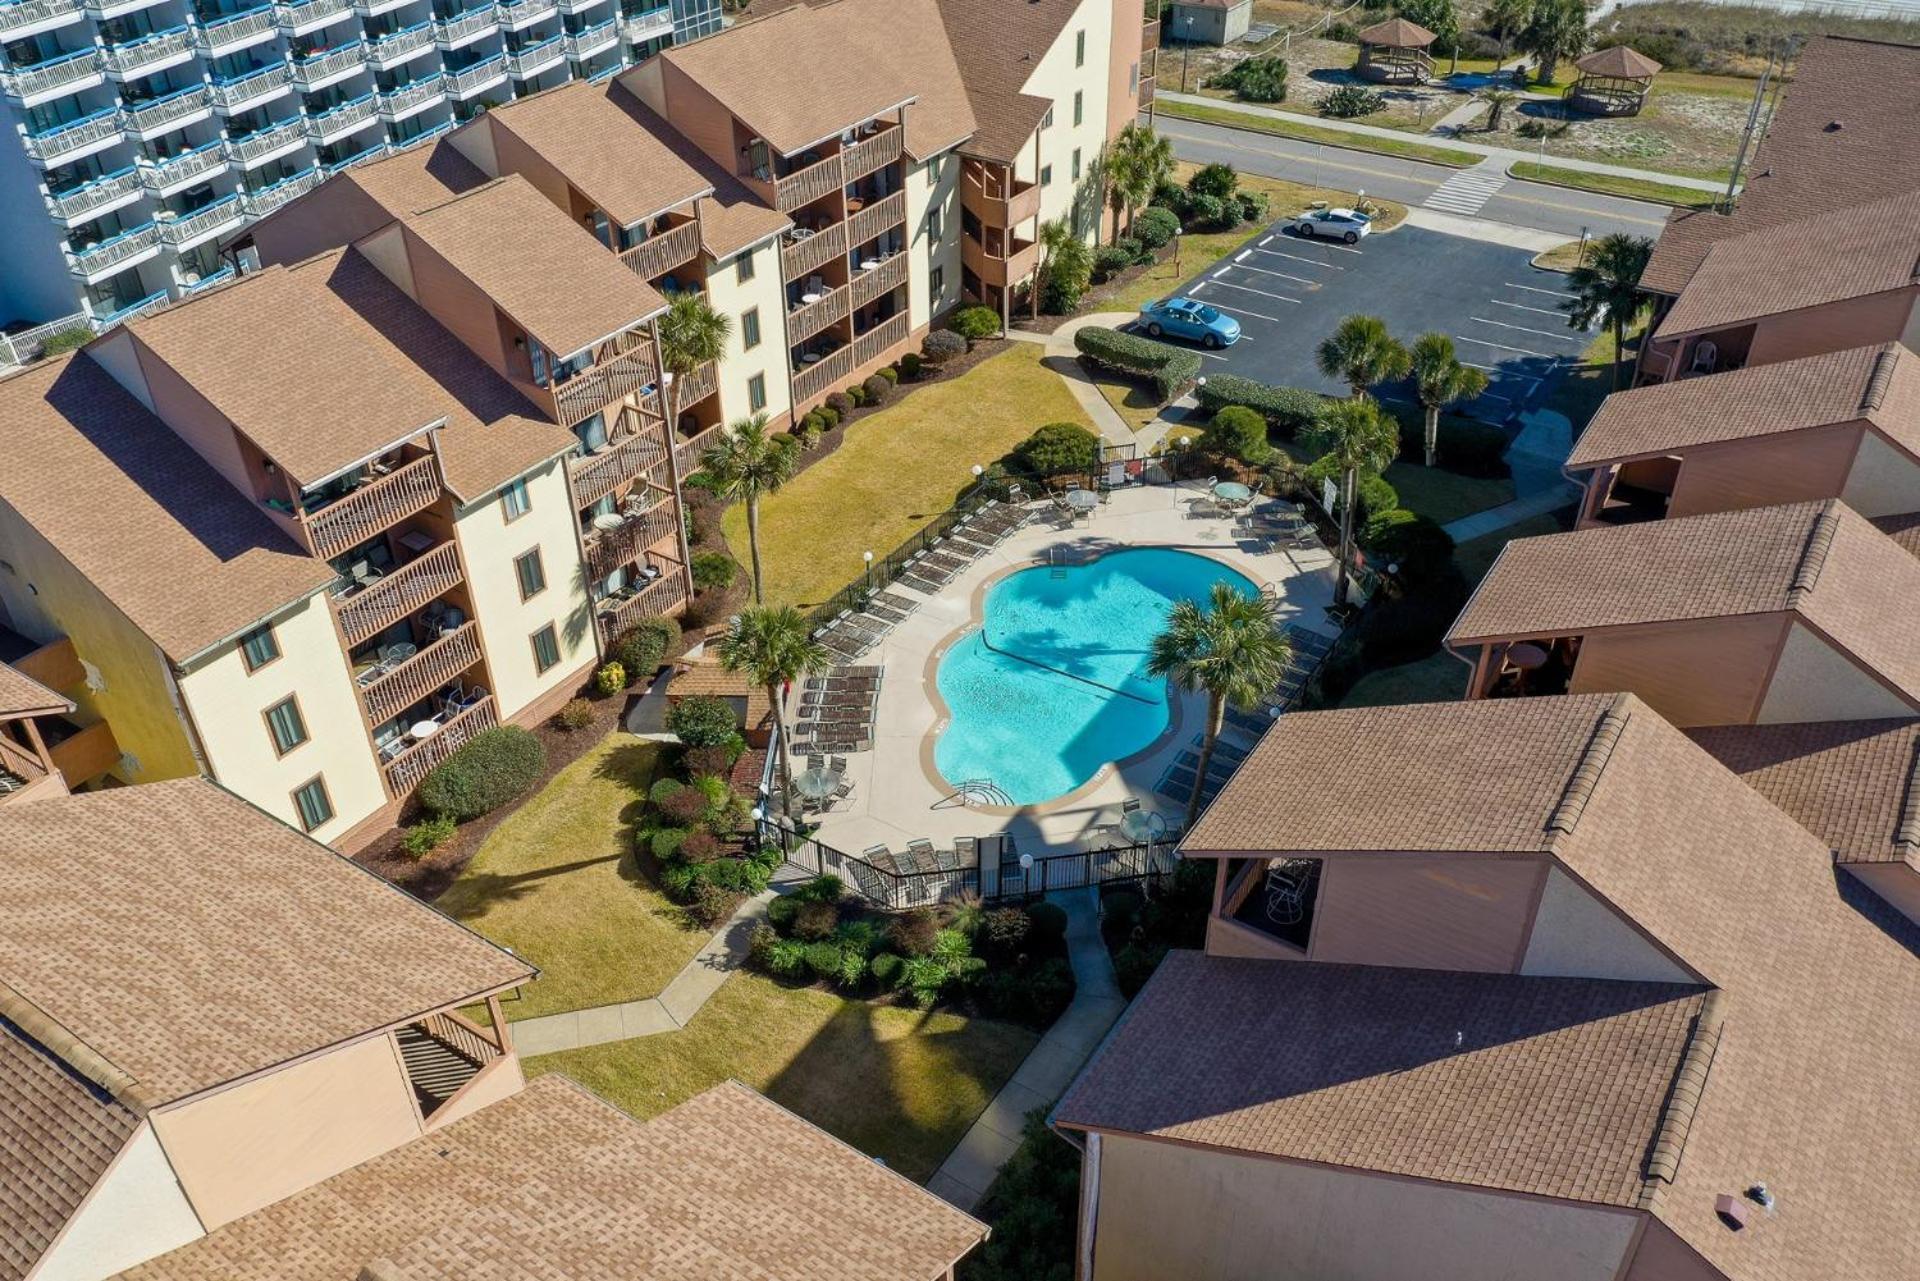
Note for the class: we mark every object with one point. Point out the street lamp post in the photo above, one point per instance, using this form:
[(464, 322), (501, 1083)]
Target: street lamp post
[(868, 558), (1177, 233), (1186, 48)]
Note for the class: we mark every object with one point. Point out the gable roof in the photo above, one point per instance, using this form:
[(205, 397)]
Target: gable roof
[(21, 695), (78, 444), (998, 47), (1879, 384), (1618, 61), (187, 939), (554, 1185)]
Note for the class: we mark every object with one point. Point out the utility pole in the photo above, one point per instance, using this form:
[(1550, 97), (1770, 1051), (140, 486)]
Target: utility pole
[(1186, 49), (1753, 123)]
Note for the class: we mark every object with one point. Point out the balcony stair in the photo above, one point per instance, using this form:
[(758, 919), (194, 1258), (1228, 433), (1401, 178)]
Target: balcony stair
[(436, 1069), (10, 782)]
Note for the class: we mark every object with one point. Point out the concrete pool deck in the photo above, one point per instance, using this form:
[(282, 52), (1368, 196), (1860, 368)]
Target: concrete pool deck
[(898, 796)]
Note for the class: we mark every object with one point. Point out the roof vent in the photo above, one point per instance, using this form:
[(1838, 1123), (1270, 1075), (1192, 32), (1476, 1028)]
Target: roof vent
[(1731, 1209), (1761, 1196), (1879, 379), (1835, 126)]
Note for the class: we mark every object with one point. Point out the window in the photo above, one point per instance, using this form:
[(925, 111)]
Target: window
[(285, 723), (258, 648), (750, 328), (937, 281), (531, 573), (934, 223), (1046, 175), (743, 270), (1076, 164), (757, 392), (1079, 48), (1133, 80), (514, 500), (1046, 121), (591, 432), (311, 801), (1079, 101), (546, 648)]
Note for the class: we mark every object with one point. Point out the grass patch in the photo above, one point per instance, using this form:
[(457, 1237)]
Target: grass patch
[(1316, 133), (898, 469), (558, 882), (899, 1084), (1437, 678), (1561, 257), (1132, 401), (1581, 389), (1442, 495), (1608, 184)]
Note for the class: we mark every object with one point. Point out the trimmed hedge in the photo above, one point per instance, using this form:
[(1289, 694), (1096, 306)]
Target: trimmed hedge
[(643, 647), (1288, 410), (1059, 449), (1240, 433), (1170, 368), (496, 766), (703, 722), (1418, 544), (974, 323), (1153, 227)]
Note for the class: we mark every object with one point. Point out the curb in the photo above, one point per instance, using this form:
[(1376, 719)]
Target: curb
[(1467, 163)]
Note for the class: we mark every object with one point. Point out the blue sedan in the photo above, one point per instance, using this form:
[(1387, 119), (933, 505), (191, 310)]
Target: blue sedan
[(1192, 320)]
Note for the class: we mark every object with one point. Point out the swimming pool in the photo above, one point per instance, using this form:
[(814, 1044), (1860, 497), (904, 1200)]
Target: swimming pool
[(1053, 684)]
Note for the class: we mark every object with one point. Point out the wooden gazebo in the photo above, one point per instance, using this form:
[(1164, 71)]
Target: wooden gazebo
[(1613, 82), (1394, 52)]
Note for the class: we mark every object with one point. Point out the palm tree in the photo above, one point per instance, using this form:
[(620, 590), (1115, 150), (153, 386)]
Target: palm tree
[(1607, 286), (1361, 353), (1053, 237), (691, 334), (745, 462), (1362, 437), (1231, 648), (1138, 160), (1506, 17), (1555, 29), (1497, 100), (1440, 379), (773, 647)]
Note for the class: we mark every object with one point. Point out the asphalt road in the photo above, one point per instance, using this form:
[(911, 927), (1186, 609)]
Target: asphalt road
[(1289, 293), (1522, 204)]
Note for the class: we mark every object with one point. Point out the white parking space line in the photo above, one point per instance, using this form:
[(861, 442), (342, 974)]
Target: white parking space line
[(1311, 262), (1501, 324), (1265, 271), (1543, 311), (1242, 311), (1498, 346), (1502, 374), (1532, 289), (1224, 284)]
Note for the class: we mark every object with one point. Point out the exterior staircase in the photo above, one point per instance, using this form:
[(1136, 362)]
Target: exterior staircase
[(10, 782), (436, 1069)]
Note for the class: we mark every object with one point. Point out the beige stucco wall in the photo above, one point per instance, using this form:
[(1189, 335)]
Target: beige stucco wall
[(1884, 481), (1577, 936), (1433, 913), (228, 705), (1897, 883), (135, 1211), (255, 1143), (731, 298), (489, 544), (1167, 1211), (1789, 468), (1816, 682), (1124, 62), (1710, 672), (1055, 77), (1840, 326), (931, 186)]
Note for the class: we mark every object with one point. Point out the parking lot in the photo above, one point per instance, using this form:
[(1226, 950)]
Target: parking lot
[(1289, 293)]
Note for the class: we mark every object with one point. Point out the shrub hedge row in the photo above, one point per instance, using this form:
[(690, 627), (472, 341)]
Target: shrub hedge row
[(1288, 410), (495, 766), (1170, 368)]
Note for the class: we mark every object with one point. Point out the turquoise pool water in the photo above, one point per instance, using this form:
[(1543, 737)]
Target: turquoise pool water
[(1053, 685)]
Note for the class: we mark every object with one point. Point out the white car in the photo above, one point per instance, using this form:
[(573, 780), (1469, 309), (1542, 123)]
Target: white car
[(1340, 224)]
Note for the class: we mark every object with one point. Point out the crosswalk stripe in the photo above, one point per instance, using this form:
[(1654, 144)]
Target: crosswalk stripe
[(1468, 190)]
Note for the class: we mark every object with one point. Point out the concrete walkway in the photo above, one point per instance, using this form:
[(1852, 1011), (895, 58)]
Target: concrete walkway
[(1507, 156), (1063, 360), (964, 1177), (1539, 486), (670, 1011)]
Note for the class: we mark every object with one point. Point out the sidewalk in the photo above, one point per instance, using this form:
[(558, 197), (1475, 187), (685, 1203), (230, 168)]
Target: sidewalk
[(1507, 156), (1063, 360), (969, 1170), (1539, 486)]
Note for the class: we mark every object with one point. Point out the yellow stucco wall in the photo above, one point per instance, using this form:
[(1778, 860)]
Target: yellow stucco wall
[(732, 298), (1056, 77), (929, 187)]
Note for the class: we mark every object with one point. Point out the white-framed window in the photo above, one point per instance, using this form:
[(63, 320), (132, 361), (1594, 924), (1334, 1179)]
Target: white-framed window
[(515, 501)]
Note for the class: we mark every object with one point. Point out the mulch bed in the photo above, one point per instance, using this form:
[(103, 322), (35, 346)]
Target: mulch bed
[(1095, 298)]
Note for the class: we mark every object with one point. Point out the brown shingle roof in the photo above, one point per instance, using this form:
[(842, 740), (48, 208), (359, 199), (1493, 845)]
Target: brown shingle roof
[(419, 178), (998, 47), (537, 265), (188, 939), (210, 564), (1879, 384), (57, 1136), (21, 695), (1397, 33), (554, 1185), (1831, 144), (1800, 264), (1850, 783), (1619, 61)]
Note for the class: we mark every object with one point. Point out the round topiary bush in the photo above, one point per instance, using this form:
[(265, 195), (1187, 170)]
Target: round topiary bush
[(610, 679), (700, 847), (975, 323), (496, 766), (1059, 449), (643, 647), (780, 912), (702, 762), (886, 968), (877, 389), (1154, 226), (889, 373), (815, 920), (1049, 924), (703, 722), (839, 402), (910, 366), (1239, 433), (941, 346)]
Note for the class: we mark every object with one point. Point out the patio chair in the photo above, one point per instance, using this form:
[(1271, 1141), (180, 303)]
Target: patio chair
[(816, 761), (966, 851), (1288, 881), (920, 855), (838, 764), (949, 860), (1130, 806), (843, 792), (881, 857)]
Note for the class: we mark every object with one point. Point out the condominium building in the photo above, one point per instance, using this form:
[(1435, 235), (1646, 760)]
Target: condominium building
[(136, 135)]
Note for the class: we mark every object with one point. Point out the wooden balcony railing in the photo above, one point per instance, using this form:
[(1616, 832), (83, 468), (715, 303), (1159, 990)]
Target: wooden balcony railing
[(798, 257), (406, 770), (594, 388), (610, 549), (374, 507), (597, 475), (863, 157), (873, 344), (1146, 90), (686, 454), (875, 218), (30, 772), (86, 755), (422, 674), (807, 185), (470, 1040), (662, 596), (660, 254), (697, 386), (870, 284), (398, 594), (808, 319), (1150, 34), (994, 269), (816, 380)]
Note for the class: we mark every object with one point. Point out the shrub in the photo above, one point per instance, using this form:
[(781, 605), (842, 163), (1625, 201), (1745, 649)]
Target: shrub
[(889, 373), (823, 960), (663, 788), (65, 340), (1133, 249), (1048, 990), (1059, 449), (700, 847), (857, 394), (924, 979), (494, 767), (877, 389), (715, 761), (975, 323), (861, 936), (1069, 271), (681, 807), (1240, 433), (641, 648), (1171, 368), (1253, 205), (711, 904), (1348, 101), (1049, 923), (1418, 544), (1166, 195), (1120, 912), (1288, 410), (1473, 449), (829, 416), (787, 958), (610, 679), (811, 423), (781, 911), (1256, 80), (886, 968), (1134, 964), (1154, 226), (910, 366), (702, 721), (941, 346), (840, 403), (914, 933), (761, 946), (1205, 211), (576, 715), (717, 570), (1003, 931), (427, 835), (825, 888), (1373, 494), (1109, 261), (815, 921), (1216, 180)]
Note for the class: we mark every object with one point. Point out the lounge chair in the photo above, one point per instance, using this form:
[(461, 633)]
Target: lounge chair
[(881, 857)]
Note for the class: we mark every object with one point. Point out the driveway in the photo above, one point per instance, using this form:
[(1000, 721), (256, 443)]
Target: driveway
[(1288, 294)]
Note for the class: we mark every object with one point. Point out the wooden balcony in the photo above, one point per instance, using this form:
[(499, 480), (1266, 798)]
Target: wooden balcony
[(1146, 90), (597, 475), (427, 671), (878, 341), (374, 507), (686, 454), (814, 381), (24, 776), (808, 319), (870, 284), (609, 549), (1150, 34), (398, 594), (594, 388), (660, 597), (87, 754), (991, 194), (807, 185), (879, 148), (798, 257), (658, 255), (697, 386), (995, 269), (877, 217), (405, 771)]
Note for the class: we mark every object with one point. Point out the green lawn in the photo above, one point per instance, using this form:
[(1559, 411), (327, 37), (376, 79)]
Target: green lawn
[(1475, 556), (1437, 678), (1131, 400), (559, 884), (1317, 133), (1611, 184), (899, 1084), (898, 469), (1443, 495), (1561, 257)]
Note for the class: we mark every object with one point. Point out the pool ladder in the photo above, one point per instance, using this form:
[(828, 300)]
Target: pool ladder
[(983, 790), (1057, 561)]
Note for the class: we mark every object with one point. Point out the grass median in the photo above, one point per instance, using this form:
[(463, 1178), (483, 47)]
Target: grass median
[(1607, 184), (1304, 132)]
